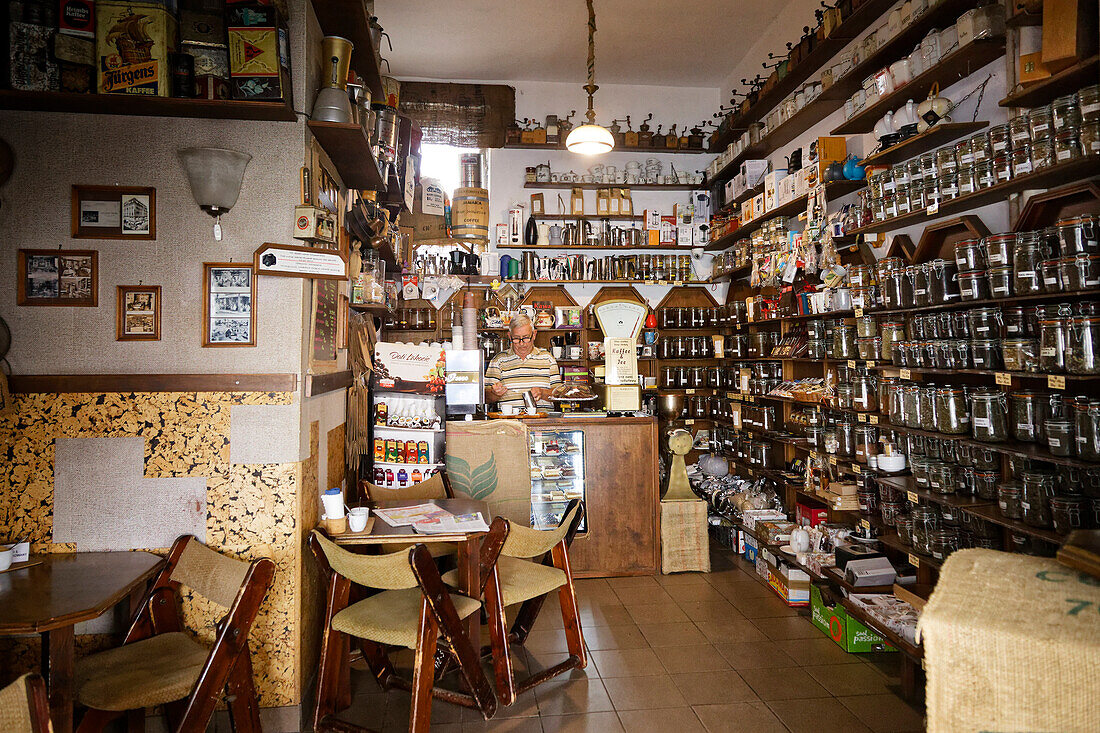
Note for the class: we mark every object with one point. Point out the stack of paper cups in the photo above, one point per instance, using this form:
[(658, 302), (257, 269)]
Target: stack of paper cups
[(456, 337), (469, 323)]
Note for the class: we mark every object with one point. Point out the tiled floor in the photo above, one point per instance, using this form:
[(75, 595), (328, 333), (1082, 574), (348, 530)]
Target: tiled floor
[(679, 654)]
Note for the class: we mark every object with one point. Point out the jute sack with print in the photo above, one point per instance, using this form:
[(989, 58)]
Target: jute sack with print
[(1012, 643), (685, 545), (490, 461)]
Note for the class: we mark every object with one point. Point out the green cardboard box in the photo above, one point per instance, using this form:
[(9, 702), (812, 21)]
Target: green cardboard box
[(849, 633)]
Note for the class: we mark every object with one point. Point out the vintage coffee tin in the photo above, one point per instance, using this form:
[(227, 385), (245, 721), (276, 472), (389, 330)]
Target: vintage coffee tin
[(133, 40), (259, 52)]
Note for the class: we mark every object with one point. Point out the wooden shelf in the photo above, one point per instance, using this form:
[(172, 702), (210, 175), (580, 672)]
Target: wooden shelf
[(616, 149), (950, 69), (145, 105), (1070, 171), (908, 485), (848, 29), (1030, 376), (733, 274), (574, 217), (596, 247), (349, 148), (930, 139), (630, 186), (992, 513), (348, 19), (833, 190), (1024, 19), (671, 283), (856, 611), (1065, 81)]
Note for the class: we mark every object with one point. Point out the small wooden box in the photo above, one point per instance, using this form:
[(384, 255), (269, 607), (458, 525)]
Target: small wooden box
[(1069, 32)]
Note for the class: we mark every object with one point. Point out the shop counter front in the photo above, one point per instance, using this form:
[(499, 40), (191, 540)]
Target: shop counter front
[(610, 463)]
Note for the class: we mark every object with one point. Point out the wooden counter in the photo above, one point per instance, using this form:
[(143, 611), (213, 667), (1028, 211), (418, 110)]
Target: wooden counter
[(622, 495)]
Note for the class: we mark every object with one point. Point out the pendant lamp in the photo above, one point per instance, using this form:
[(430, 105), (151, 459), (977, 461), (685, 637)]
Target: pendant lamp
[(590, 138)]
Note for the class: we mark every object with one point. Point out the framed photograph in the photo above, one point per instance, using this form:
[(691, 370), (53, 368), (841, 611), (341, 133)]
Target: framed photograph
[(58, 277), (114, 212), (229, 304), (138, 313)]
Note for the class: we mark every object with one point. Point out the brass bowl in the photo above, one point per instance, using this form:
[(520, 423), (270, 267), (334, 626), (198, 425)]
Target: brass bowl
[(670, 406)]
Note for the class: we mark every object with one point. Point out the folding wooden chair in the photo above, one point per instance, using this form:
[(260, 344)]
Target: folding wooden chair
[(434, 487), (24, 707), (414, 610), (533, 563), (158, 664)]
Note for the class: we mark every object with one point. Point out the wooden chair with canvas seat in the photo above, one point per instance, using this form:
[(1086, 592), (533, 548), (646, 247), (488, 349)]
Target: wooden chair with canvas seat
[(24, 707), (435, 487), (532, 564), (413, 610), (158, 664)]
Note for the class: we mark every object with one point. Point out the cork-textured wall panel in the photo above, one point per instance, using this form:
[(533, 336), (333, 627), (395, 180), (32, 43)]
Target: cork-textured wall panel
[(252, 509), (312, 598)]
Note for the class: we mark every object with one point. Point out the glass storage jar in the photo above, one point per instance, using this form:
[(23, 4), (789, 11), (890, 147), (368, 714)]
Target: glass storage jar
[(866, 326), (968, 180), (985, 353), (970, 255), (904, 526), (870, 349), (815, 349), (1052, 345), (985, 483), (1000, 140), (918, 465), (1079, 272), (1090, 138), (927, 407), (945, 481), (1040, 122), (1002, 167), (1021, 355), (845, 445), (962, 358), (1025, 264), (1087, 428), (989, 416), (949, 186), (1037, 489), (919, 275), (943, 281), (910, 405), (866, 440), (1042, 154), (946, 161), (1021, 160), (891, 332), (1066, 111), (844, 394), (944, 542), (1019, 130), (844, 342), (902, 201), (964, 154), (952, 413), (1013, 323), (1050, 276), (964, 481), (1089, 98), (1067, 145), (1008, 499), (1060, 437), (998, 249), (1026, 418), (1083, 345), (925, 522), (974, 285), (1000, 282), (1079, 234), (1068, 513)]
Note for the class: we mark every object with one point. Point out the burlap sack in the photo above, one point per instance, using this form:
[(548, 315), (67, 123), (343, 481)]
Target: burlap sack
[(490, 461), (1012, 643), (685, 545)]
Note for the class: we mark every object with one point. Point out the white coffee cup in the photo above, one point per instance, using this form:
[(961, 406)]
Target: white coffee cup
[(5, 557), (357, 518), (21, 552)]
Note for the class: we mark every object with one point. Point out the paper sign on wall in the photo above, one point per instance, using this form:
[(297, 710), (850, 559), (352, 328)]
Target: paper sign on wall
[(620, 360)]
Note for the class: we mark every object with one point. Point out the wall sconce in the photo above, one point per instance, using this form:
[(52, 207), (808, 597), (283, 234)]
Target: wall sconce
[(215, 175)]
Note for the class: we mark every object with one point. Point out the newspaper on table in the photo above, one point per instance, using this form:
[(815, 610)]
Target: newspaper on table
[(431, 519)]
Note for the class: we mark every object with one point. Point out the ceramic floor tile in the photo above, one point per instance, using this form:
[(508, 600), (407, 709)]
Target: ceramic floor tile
[(614, 637), (813, 652), (734, 590), (711, 688), (503, 725), (754, 655), (693, 658), (563, 696), (633, 581), (783, 683), (605, 615), (849, 679), (819, 715), (642, 594), (584, 584), (683, 579), (721, 611), (672, 634), (550, 640), (788, 627), (695, 593), (642, 693), (367, 710), (657, 613), (733, 631), (768, 606), (626, 663), (740, 717), (886, 713), (680, 720), (597, 596), (588, 723)]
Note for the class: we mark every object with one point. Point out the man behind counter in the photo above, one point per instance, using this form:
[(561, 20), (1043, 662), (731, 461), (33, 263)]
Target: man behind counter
[(521, 368)]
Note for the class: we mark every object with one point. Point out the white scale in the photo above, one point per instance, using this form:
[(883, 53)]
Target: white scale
[(621, 321)]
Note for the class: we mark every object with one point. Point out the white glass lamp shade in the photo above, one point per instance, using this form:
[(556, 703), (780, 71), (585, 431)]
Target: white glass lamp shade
[(215, 175), (589, 140)]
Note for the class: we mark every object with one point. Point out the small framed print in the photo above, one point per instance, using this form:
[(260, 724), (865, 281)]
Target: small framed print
[(58, 277), (114, 212), (138, 313), (229, 304)]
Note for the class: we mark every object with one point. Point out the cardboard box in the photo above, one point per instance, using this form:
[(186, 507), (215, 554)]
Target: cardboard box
[(1031, 67), (752, 547), (259, 52), (790, 584), (810, 516), (425, 227), (831, 148), (1069, 32), (133, 40), (76, 18), (753, 171), (202, 21), (849, 633)]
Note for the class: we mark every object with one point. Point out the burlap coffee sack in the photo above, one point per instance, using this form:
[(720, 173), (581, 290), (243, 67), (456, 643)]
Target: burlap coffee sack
[(490, 461), (685, 545), (1012, 643)]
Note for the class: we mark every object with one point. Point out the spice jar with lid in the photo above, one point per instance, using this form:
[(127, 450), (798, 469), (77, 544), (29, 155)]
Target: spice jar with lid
[(1066, 112), (1041, 122), (1052, 345), (866, 440), (925, 522), (986, 353), (1090, 138), (1038, 488), (1050, 275), (1026, 416), (927, 407), (943, 282), (974, 285), (970, 255), (1001, 282), (1060, 437), (989, 416), (944, 542), (1068, 513), (985, 483), (1079, 234), (1042, 154), (1021, 355), (1008, 499), (1087, 428), (1025, 263), (844, 342), (952, 413), (1083, 345), (1079, 271)]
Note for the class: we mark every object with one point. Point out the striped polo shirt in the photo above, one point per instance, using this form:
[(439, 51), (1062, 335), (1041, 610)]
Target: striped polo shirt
[(539, 369)]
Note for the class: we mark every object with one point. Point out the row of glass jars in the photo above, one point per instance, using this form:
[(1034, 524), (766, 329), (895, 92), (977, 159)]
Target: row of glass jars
[(1037, 499)]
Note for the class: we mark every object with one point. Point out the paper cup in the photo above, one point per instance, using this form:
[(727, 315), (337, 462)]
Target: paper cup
[(334, 505), (21, 552), (357, 518)]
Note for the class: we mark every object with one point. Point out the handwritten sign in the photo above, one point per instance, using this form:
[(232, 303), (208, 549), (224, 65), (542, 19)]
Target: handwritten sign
[(620, 360), (325, 319)]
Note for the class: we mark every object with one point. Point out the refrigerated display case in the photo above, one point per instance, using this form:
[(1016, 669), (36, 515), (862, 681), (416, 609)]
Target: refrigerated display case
[(557, 476)]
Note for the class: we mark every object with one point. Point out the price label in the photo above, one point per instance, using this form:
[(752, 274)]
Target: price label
[(914, 560), (851, 363), (832, 460), (933, 209), (859, 313), (865, 524), (856, 469), (677, 283), (814, 455), (750, 398), (861, 417), (732, 395), (874, 419), (912, 496), (905, 374), (689, 391), (689, 421), (1056, 381), (650, 282), (1003, 378)]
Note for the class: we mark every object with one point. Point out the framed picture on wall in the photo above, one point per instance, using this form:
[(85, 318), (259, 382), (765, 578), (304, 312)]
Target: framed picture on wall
[(114, 212), (138, 313), (58, 277), (228, 304)]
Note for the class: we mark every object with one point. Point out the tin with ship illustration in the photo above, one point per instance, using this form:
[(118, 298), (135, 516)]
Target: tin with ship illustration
[(133, 40)]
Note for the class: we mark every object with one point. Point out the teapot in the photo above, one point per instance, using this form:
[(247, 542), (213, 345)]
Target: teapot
[(835, 172), (800, 540), (906, 116), (853, 171), (933, 109)]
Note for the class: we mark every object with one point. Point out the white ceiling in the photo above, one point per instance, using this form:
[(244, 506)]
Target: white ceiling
[(691, 43)]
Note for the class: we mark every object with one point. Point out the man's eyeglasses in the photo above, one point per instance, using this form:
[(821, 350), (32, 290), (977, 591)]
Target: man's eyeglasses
[(522, 339)]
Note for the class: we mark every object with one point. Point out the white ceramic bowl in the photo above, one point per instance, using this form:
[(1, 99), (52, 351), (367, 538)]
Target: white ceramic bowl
[(891, 463), (5, 557)]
